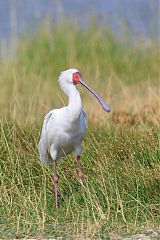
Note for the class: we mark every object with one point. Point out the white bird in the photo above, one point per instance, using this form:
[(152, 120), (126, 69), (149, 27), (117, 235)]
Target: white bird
[(64, 129)]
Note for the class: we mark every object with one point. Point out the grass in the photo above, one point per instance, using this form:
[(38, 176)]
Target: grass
[(121, 155), (120, 193)]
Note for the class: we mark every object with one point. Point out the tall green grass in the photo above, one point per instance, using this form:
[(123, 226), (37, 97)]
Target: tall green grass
[(120, 159), (120, 193)]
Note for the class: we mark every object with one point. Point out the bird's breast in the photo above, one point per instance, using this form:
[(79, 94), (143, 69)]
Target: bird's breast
[(64, 133)]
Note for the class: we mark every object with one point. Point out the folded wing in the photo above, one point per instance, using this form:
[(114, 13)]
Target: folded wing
[(43, 145)]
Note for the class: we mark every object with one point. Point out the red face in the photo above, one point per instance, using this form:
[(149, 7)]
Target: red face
[(76, 77)]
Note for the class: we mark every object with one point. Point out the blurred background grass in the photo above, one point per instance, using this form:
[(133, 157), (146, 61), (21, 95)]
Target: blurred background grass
[(119, 71)]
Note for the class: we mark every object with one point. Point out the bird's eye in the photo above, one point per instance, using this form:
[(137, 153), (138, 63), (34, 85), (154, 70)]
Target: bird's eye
[(75, 78)]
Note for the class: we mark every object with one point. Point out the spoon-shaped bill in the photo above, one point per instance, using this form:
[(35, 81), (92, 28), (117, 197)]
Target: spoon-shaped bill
[(103, 104)]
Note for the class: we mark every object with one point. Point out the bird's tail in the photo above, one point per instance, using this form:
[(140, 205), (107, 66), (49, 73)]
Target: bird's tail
[(44, 156)]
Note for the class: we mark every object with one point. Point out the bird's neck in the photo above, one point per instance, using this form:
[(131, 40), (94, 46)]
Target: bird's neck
[(75, 104)]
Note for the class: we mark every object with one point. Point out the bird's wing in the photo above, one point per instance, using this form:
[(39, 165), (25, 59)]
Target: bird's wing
[(43, 142)]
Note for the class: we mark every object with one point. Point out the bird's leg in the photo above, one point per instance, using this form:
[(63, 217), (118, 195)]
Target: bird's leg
[(55, 184), (80, 174)]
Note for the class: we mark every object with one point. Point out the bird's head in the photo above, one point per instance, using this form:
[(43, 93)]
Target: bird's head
[(69, 78)]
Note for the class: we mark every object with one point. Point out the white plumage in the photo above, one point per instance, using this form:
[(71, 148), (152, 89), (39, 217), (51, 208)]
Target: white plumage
[(64, 129), (61, 135)]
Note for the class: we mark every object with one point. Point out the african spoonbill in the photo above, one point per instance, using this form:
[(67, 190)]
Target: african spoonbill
[(64, 129)]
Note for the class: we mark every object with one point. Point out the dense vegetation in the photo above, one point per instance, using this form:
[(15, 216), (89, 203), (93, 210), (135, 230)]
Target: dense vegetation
[(121, 190)]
